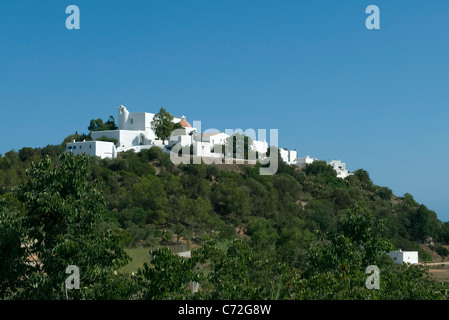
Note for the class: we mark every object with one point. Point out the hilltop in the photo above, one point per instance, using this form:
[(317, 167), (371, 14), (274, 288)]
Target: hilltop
[(200, 201), (282, 218)]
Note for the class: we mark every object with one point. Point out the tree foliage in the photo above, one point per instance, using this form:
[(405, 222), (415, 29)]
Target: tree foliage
[(61, 211), (163, 125), (298, 234), (99, 125), (239, 146)]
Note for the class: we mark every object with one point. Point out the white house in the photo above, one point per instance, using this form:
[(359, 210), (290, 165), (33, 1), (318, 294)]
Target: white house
[(181, 139), (399, 256), (102, 149), (204, 149), (288, 156), (134, 130), (302, 162), (194, 286), (292, 156), (209, 140), (340, 167), (260, 146), (214, 138)]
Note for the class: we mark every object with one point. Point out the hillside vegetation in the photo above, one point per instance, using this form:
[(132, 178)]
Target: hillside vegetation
[(299, 234)]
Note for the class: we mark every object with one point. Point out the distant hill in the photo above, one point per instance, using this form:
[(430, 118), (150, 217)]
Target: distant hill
[(297, 234), (145, 192)]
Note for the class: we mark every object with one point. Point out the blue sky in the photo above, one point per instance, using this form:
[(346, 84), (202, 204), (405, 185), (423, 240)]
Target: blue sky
[(376, 99)]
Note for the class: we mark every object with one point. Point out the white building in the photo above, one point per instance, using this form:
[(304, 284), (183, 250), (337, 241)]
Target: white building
[(302, 162), (102, 149), (181, 139), (210, 140), (340, 167), (292, 156), (399, 257), (214, 138), (203, 149), (288, 156), (260, 147), (134, 131)]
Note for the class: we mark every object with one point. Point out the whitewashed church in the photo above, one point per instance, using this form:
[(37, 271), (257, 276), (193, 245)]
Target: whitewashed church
[(134, 132)]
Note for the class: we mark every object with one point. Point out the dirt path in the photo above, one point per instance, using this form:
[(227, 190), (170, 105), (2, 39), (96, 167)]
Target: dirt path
[(432, 263)]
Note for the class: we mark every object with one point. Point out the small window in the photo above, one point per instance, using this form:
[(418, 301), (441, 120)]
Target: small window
[(81, 147), (69, 147), (132, 120), (90, 146), (74, 147)]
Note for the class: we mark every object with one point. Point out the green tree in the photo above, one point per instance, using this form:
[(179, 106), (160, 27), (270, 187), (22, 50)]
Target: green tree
[(237, 274), (358, 242), (99, 125), (13, 270), (442, 251), (384, 193), (149, 193), (169, 276), (104, 138), (263, 235), (163, 125), (62, 209), (320, 167), (231, 200), (240, 146), (424, 223), (76, 137), (336, 266), (364, 179)]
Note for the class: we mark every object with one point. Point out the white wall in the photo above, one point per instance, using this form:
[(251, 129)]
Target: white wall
[(105, 149), (396, 256), (410, 257), (284, 154), (260, 146), (77, 148), (302, 162), (138, 121), (399, 257), (183, 140), (202, 149), (292, 155), (122, 118), (218, 138), (337, 164), (340, 167), (102, 149), (288, 156), (134, 120), (127, 138)]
